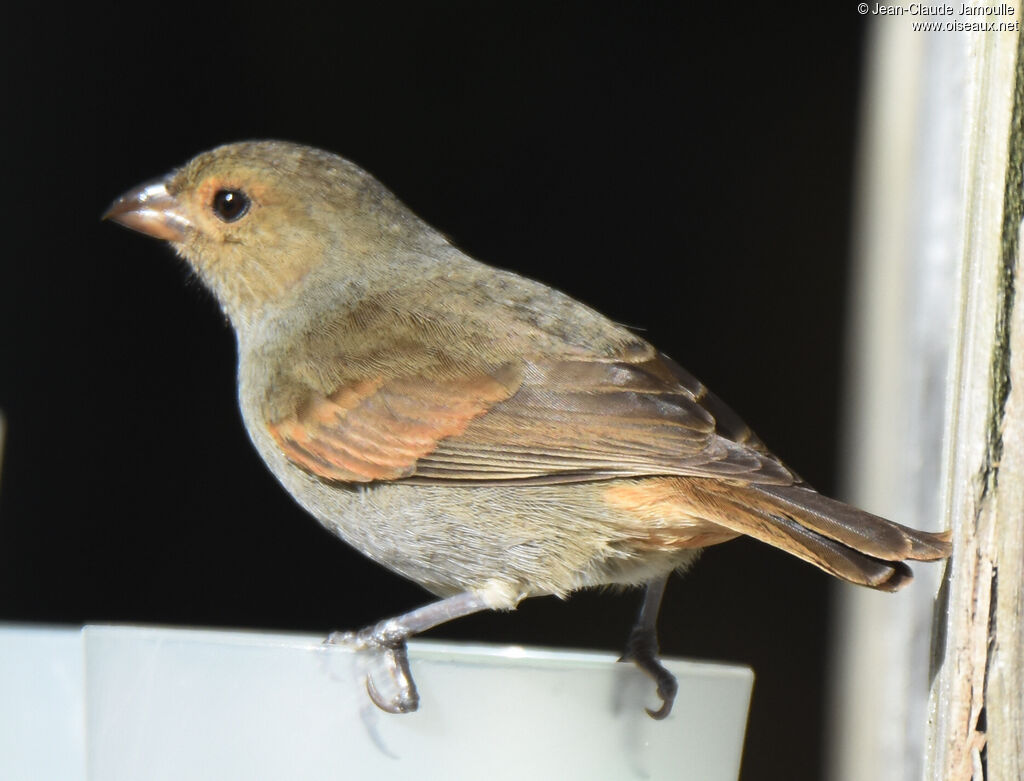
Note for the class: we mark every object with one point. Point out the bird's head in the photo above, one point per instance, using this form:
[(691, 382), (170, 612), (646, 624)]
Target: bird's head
[(256, 219)]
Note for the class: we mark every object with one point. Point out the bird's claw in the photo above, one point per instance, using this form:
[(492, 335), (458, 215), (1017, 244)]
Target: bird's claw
[(394, 655), (405, 698), (667, 688), (354, 640), (642, 650)]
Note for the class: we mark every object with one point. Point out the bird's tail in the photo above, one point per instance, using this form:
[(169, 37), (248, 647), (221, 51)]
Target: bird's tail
[(851, 544)]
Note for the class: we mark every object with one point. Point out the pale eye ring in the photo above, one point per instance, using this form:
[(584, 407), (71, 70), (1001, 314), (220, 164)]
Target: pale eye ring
[(230, 205)]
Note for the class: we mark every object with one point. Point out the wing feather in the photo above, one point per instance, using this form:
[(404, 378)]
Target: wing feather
[(539, 421)]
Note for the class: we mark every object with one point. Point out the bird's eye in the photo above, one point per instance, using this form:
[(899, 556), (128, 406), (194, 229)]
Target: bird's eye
[(230, 205)]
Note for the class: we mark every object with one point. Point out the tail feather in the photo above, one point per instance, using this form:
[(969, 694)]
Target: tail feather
[(837, 559), (870, 534), (851, 544)]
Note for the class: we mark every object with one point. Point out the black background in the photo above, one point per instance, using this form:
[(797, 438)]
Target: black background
[(687, 175)]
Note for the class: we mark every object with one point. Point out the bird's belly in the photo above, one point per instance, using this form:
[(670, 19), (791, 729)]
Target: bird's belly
[(534, 539)]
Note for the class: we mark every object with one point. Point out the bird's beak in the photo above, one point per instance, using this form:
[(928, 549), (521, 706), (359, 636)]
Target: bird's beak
[(150, 209)]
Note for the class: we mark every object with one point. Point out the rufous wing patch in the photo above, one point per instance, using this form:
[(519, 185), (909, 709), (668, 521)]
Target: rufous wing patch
[(377, 429)]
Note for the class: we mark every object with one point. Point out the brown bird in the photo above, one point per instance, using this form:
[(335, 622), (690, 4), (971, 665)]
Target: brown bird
[(480, 433)]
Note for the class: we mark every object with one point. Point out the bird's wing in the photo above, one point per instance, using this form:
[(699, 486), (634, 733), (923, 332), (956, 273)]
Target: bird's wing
[(380, 429), (540, 421)]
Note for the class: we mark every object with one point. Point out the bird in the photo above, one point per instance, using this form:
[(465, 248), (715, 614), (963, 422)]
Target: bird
[(475, 431)]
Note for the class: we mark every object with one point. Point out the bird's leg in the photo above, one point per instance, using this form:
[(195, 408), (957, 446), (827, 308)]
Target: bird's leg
[(389, 637), (642, 647)]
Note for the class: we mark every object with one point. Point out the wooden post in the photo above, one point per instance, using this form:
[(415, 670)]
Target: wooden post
[(936, 430), (978, 697)]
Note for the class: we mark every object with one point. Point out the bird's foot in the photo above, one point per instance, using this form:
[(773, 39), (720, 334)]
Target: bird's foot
[(387, 643), (642, 650)]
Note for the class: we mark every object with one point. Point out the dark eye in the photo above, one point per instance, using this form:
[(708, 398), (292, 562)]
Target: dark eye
[(230, 205)]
